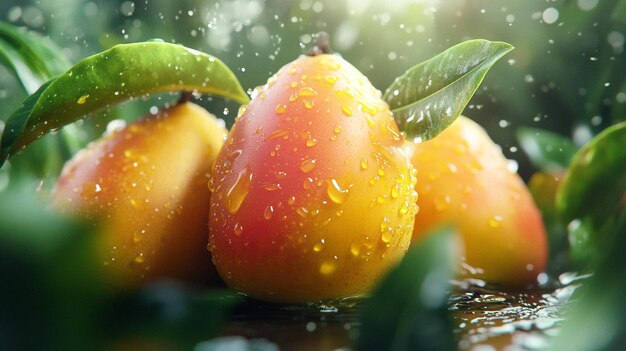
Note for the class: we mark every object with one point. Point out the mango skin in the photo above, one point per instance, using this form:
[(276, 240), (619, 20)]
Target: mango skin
[(463, 179), (146, 188), (313, 196)]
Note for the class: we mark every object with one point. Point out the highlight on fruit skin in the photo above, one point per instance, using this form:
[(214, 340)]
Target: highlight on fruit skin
[(464, 179), (313, 196), (146, 187)]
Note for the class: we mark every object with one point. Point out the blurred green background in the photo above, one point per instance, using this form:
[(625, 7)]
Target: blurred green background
[(567, 73)]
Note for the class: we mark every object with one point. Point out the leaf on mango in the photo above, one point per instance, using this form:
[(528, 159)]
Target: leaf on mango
[(548, 151), (123, 72), (595, 183), (430, 96), (408, 310)]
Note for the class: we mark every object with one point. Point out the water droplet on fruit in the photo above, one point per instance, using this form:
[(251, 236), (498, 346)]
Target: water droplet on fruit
[(139, 259), (239, 190), (441, 203), (328, 268), (318, 246), (331, 79), (269, 212), (309, 104), (395, 191), (281, 108), (311, 142), (386, 236), (355, 250), (347, 110), (335, 192), (238, 229), (337, 129), (307, 92), (364, 164), (495, 221), (302, 211), (307, 165), (277, 134)]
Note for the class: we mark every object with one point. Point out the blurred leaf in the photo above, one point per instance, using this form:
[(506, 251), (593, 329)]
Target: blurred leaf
[(49, 299), (166, 312), (597, 321), (236, 343), (595, 183), (430, 96), (112, 76), (32, 58), (408, 310), (543, 187), (548, 151)]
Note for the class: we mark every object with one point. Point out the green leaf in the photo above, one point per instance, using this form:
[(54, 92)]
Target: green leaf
[(32, 58), (550, 152), (123, 72), (408, 311), (595, 184), (597, 322), (430, 96)]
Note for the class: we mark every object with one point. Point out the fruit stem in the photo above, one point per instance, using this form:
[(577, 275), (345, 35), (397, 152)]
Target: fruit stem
[(321, 45), (185, 96)]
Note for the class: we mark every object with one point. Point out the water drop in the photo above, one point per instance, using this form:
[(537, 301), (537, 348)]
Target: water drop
[(328, 268), (238, 229), (281, 108), (495, 221), (239, 190), (335, 192), (307, 165), (347, 110), (269, 212)]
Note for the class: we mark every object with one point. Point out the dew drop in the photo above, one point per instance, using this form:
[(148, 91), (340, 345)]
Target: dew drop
[(277, 134), (238, 229), (306, 91), (81, 100), (139, 259), (355, 250), (269, 212), (328, 268), (495, 221), (238, 192), (318, 246), (307, 165), (281, 108), (335, 192), (347, 110)]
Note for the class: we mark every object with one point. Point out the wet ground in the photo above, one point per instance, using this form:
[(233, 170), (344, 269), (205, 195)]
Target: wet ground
[(485, 319)]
